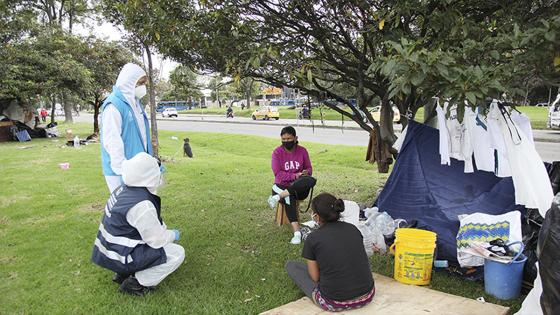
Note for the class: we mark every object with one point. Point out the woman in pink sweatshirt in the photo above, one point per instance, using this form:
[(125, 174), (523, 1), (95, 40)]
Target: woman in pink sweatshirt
[(292, 177)]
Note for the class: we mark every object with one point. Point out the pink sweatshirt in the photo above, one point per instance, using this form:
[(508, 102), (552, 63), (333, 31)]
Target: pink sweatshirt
[(286, 165)]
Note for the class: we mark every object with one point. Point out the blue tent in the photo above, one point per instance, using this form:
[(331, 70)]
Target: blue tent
[(420, 188)]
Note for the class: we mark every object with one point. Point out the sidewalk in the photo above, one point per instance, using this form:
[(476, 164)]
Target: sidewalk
[(547, 135)]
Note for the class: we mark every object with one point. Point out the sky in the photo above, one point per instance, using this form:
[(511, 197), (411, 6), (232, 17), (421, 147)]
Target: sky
[(108, 31)]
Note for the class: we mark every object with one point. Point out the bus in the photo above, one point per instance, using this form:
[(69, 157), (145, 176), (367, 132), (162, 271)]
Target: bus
[(288, 102), (178, 105)]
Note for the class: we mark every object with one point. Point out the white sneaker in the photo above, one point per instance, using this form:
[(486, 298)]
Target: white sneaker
[(296, 239), (273, 201)]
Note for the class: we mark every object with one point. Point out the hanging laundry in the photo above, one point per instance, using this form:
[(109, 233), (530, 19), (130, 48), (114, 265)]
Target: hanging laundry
[(530, 179), (398, 144), (480, 143), (444, 141), (524, 124), (454, 140), (455, 133), (497, 143)]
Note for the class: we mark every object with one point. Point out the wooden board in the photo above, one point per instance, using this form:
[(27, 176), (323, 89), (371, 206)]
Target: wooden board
[(392, 298)]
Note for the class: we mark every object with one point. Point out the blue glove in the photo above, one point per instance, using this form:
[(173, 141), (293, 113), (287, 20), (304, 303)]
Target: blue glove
[(177, 234), (162, 169)]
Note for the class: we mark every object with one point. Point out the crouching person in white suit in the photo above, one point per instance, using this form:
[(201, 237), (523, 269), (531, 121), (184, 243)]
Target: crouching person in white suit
[(132, 239)]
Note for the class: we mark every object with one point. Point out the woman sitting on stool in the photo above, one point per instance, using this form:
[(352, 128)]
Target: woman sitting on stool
[(292, 177), (337, 276)]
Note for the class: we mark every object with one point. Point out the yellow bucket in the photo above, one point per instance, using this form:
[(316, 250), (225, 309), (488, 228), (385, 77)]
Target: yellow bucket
[(414, 255)]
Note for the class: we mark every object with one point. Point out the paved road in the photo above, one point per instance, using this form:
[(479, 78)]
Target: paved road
[(549, 151)]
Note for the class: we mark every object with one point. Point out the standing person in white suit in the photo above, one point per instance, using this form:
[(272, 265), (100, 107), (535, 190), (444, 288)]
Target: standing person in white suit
[(125, 129)]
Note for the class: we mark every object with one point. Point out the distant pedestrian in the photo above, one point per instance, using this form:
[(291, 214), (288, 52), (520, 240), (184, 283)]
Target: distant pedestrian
[(44, 114)]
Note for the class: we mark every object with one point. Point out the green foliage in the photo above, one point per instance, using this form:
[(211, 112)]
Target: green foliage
[(184, 85), (16, 21), (47, 64), (398, 51)]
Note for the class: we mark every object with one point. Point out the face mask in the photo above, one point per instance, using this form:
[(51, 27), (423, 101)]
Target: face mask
[(140, 91), (288, 144)]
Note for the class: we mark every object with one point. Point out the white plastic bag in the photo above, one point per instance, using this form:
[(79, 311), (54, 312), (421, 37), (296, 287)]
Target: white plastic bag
[(373, 239), (351, 213), (480, 228), (532, 303)]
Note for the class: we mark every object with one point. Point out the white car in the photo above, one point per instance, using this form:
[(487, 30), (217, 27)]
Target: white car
[(169, 112)]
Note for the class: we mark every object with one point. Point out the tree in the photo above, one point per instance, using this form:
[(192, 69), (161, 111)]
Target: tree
[(53, 14), (184, 84), (43, 65), (131, 15), (216, 85), (104, 60), (393, 51)]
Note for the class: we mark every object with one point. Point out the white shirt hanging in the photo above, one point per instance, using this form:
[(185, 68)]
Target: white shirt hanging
[(530, 178), (443, 135), (480, 143), (502, 167)]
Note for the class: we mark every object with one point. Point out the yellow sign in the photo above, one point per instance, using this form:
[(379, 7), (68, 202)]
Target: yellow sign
[(272, 91)]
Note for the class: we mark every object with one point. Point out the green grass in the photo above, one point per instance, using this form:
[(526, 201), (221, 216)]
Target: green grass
[(235, 254)]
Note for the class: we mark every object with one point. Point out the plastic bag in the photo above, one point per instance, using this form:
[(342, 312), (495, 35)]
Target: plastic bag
[(548, 252), (530, 228), (531, 305), (351, 213), (480, 229), (373, 239)]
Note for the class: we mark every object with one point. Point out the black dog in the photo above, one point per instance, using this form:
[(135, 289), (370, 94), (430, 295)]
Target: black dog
[(187, 151)]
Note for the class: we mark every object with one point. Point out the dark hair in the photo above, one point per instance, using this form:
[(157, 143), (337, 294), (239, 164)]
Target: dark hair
[(289, 130), (328, 207)]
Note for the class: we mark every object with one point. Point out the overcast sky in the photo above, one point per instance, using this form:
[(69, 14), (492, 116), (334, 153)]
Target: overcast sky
[(108, 31)]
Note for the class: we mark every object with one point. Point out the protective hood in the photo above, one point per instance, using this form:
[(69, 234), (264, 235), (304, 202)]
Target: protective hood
[(141, 171), (126, 82)]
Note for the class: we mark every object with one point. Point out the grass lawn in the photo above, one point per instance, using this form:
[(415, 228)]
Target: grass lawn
[(235, 254), (538, 115)]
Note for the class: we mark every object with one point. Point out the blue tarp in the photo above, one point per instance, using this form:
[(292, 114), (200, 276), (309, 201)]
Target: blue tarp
[(420, 188)]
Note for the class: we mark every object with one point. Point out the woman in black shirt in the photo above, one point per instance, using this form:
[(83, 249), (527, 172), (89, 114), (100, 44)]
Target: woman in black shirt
[(337, 276)]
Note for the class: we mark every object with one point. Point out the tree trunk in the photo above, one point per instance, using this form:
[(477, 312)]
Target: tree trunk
[(67, 109), (248, 103), (526, 95), (152, 94), (96, 107), (53, 108)]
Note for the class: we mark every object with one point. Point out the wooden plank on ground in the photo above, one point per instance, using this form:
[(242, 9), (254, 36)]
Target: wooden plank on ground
[(392, 297)]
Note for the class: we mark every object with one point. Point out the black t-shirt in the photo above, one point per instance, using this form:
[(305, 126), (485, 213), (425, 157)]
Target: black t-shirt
[(344, 271)]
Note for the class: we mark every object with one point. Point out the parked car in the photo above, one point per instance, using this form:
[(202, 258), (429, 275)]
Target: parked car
[(376, 114), (169, 112), (545, 104), (266, 113)]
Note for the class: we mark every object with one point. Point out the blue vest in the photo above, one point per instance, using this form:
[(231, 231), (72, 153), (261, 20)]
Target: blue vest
[(119, 246), (130, 132)]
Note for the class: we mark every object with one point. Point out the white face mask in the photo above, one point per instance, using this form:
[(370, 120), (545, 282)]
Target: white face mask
[(140, 91)]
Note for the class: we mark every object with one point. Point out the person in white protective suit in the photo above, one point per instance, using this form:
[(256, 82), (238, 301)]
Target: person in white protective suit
[(133, 241), (125, 129)]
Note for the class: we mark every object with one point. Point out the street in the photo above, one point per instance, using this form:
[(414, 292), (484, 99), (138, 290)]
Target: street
[(549, 150)]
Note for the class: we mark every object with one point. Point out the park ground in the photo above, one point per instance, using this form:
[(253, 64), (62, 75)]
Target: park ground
[(537, 115), (235, 254)]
